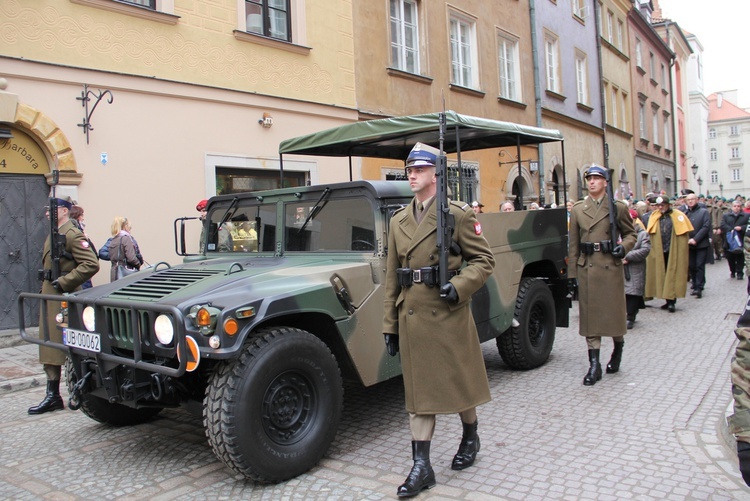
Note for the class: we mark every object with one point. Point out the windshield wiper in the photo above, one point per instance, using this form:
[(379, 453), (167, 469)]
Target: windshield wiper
[(316, 208)]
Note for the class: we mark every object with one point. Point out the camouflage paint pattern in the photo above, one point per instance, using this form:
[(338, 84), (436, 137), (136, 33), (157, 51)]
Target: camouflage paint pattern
[(739, 422)]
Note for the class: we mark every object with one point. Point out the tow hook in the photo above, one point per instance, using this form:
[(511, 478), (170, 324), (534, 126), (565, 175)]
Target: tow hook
[(74, 403)]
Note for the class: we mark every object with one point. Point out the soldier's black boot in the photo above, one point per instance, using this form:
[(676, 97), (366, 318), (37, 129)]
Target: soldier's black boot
[(421, 475), (52, 401), (595, 370), (614, 362), (468, 449)]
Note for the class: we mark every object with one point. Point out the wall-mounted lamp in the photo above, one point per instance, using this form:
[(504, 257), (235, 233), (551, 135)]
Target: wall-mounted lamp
[(266, 121), (694, 168)]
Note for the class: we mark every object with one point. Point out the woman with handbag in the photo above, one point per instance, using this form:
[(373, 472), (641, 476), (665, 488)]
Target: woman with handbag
[(735, 220), (123, 250)]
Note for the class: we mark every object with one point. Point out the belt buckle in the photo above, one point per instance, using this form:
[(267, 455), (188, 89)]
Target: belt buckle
[(597, 247), (417, 276)]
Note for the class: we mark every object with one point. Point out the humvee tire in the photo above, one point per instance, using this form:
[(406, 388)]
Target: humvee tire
[(528, 346), (105, 412), (273, 412)]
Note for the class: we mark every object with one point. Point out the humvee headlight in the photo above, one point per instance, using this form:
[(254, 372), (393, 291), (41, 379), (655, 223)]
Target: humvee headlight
[(88, 319), (214, 341), (164, 329), (59, 318)]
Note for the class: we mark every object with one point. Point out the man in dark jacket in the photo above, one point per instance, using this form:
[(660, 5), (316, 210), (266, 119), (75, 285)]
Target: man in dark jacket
[(735, 220), (699, 244)]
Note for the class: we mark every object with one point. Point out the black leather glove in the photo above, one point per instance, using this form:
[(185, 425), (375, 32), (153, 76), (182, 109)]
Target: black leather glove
[(391, 343), (449, 293), (618, 252), (743, 454), (56, 285)]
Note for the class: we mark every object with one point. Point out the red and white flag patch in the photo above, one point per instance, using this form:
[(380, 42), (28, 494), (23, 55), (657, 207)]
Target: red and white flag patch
[(478, 228)]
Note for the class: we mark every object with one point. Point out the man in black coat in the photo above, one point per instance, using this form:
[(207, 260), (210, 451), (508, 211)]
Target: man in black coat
[(699, 243), (735, 220)]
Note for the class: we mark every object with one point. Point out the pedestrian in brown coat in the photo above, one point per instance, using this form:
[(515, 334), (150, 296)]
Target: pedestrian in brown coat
[(595, 259), (77, 264), (441, 357)]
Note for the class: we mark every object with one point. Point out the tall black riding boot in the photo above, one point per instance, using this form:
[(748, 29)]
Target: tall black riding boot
[(468, 449), (421, 475), (595, 370), (614, 362), (52, 401)]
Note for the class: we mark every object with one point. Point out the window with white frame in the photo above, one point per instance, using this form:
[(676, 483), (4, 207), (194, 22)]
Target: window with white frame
[(510, 71), (734, 130), (642, 120), (620, 34), (582, 78), (713, 154), (712, 133), (655, 126), (599, 18), (270, 18), (736, 174), (714, 177), (613, 112), (666, 132), (663, 76), (734, 152), (610, 27), (638, 53), (151, 4), (652, 65), (463, 51), (579, 8), (552, 58), (405, 36)]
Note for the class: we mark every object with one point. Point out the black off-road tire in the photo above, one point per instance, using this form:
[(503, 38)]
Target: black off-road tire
[(102, 411), (528, 346), (272, 413)]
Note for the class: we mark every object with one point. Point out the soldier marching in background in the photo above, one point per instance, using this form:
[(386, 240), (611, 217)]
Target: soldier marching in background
[(77, 263), (596, 261), (441, 357)]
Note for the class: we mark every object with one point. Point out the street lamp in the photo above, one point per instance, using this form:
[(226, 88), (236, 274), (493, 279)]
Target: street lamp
[(694, 168), (700, 183)]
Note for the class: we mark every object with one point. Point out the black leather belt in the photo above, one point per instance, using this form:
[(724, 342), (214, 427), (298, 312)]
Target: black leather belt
[(589, 248), (428, 276)]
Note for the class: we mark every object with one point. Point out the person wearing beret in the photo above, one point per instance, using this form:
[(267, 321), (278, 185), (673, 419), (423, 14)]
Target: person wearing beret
[(667, 263), (699, 243), (717, 239), (431, 324), (78, 264), (595, 260)]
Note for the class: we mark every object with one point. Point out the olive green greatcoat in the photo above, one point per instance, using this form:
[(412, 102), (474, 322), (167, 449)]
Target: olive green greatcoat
[(601, 280), (82, 267), (668, 280), (441, 357)]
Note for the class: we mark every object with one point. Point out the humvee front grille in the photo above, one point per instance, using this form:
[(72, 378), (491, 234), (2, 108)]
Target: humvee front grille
[(162, 283), (120, 325)]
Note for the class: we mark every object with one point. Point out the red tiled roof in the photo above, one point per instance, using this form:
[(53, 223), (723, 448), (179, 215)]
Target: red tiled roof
[(727, 111)]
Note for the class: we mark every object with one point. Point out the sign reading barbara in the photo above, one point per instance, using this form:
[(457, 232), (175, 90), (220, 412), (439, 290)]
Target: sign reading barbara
[(21, 155)]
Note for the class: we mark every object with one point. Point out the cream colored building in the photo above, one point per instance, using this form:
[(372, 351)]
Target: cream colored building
[(196, 96), (617, 94)]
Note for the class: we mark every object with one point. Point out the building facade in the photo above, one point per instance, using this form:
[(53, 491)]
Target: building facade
[(728, 131)]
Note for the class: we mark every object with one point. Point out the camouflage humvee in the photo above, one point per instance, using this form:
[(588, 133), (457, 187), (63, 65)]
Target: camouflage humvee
[(286, 300)]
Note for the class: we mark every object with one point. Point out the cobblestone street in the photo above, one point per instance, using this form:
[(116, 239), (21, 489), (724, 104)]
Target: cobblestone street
[(655, 430)]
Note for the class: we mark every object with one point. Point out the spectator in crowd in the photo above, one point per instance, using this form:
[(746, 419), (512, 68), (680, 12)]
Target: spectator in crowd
[(735, 220), (477, 207), (123, 249), (699, 243), (507, 206), (634, 266), (533, 206), (717, 214)]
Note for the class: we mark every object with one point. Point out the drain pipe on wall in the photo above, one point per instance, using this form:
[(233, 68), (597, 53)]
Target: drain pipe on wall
[(537, 97)]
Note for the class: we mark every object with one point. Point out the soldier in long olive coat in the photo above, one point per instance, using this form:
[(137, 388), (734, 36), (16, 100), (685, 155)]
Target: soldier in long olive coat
[(601, 281), (78, 264), (440, 354)]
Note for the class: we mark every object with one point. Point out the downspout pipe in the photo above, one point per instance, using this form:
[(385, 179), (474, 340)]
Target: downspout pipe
[(676, 154), (537, 97)]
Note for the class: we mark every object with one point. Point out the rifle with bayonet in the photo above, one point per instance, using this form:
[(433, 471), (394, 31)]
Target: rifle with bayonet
[(617, 250), (445, 220)]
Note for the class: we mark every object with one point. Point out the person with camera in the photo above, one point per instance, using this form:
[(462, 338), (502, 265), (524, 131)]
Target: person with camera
[(595, 260), (77, 263), (735, 221)]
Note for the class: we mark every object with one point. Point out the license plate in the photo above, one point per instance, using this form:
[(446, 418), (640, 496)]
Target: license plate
[(89, 341)]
